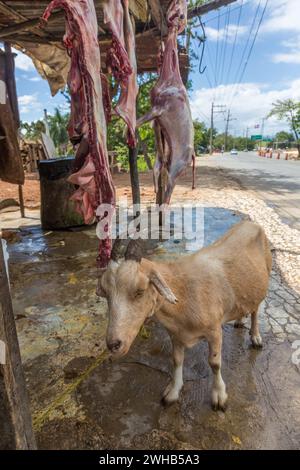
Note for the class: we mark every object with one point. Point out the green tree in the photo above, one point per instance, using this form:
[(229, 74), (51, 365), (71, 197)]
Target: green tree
[(284, 137), (32, 130), (289, 111), (58, 124), (201, 139)]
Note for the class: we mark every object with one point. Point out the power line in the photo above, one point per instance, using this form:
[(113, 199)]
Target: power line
[(217, 53), (225, 46), (236, 80), (252, 46), (235, 40), (233, 9)]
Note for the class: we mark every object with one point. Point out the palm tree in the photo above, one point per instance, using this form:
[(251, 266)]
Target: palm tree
[(58, 130)]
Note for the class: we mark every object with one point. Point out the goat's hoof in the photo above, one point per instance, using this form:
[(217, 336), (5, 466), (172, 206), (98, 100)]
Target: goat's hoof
[(166, 402), (238, 324), (219, 407), (170, 395), (219, 401), (256, 342)]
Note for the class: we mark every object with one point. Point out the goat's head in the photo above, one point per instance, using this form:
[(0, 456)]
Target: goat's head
[(132, 287)]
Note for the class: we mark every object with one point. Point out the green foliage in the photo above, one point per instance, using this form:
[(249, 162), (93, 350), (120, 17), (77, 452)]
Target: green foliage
[(32, 130), (289, 111), (58, 124), (201, 139), (284, 136)]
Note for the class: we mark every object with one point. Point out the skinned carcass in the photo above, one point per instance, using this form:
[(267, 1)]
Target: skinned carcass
[(121, 62), (87, 126), (126, 106), (117, 60), (173, 125)]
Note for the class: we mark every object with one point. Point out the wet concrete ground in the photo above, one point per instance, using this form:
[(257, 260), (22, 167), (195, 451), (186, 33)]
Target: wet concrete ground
[(81, 399)]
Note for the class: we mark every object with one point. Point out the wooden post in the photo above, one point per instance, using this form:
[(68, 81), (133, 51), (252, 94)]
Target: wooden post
[(134, 175), (21, 200), (11, 83), (12, 370), (13, 98)]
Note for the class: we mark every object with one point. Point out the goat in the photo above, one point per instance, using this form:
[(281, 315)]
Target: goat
[(192, 297)]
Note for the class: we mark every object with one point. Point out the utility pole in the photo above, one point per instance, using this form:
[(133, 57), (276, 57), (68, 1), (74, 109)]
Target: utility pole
[(228, 120), (247, 133), (262, 130), (221, 109)]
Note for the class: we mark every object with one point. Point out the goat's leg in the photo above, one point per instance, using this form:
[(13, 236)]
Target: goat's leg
[(254, 331), (171, 393), (239, 323), (219, 395), (152, 114)]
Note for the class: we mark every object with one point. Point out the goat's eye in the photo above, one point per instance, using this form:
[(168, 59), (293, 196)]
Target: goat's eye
[(139, 293)]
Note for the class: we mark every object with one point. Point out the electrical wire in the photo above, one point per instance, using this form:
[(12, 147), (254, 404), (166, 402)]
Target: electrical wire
[(251, 48), (236, 80), (235, 41)]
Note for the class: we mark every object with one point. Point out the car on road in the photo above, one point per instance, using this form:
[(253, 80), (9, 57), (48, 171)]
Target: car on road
[(233, 152)]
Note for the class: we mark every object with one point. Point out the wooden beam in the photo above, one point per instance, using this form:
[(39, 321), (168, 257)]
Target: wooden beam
[(5, 9), (158, 16), (12, 369), (207, 7), (28, 25)]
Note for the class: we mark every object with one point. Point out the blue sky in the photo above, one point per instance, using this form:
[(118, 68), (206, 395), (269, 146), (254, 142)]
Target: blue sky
[(273, 71)]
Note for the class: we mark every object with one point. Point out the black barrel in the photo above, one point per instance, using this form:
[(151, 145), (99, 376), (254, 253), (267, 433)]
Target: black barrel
[(57, 211)]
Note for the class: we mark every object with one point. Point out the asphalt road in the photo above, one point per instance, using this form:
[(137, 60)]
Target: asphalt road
[(276, 181)]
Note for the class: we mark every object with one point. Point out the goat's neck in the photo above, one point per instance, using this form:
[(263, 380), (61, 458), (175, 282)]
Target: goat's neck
[(166, 312)]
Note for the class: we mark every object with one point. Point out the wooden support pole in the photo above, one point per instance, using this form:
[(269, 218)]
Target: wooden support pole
[(134, 175), (11, 83), (21, 201), (12, 369)]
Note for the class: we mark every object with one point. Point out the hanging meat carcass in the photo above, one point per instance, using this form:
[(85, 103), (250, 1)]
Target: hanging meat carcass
[(173, 125), (87, 126), (121, 61), (117, 60)]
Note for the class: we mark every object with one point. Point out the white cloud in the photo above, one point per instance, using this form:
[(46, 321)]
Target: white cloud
[(213, 34), (292, 53), (252, 102), (34, 79), (283, 16), (23, 62), (28, 103)]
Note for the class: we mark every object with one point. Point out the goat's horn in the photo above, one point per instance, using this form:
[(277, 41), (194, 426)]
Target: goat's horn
[(134, 250), (117, 249)]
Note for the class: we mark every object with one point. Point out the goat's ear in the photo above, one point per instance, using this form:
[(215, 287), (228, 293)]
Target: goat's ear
[(162, 287), (99, 290)]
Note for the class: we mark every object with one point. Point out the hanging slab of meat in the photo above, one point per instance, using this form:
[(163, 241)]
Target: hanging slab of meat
[(173, 125), (117, 60), (87, 127), (126, 107)]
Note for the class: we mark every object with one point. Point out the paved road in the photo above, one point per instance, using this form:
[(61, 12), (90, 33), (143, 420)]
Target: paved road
[(276, 181)]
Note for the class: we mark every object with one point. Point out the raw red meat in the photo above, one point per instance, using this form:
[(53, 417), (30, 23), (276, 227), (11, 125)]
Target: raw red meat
[(126, 107), (87, 127), (173, 125), (117, 60)]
